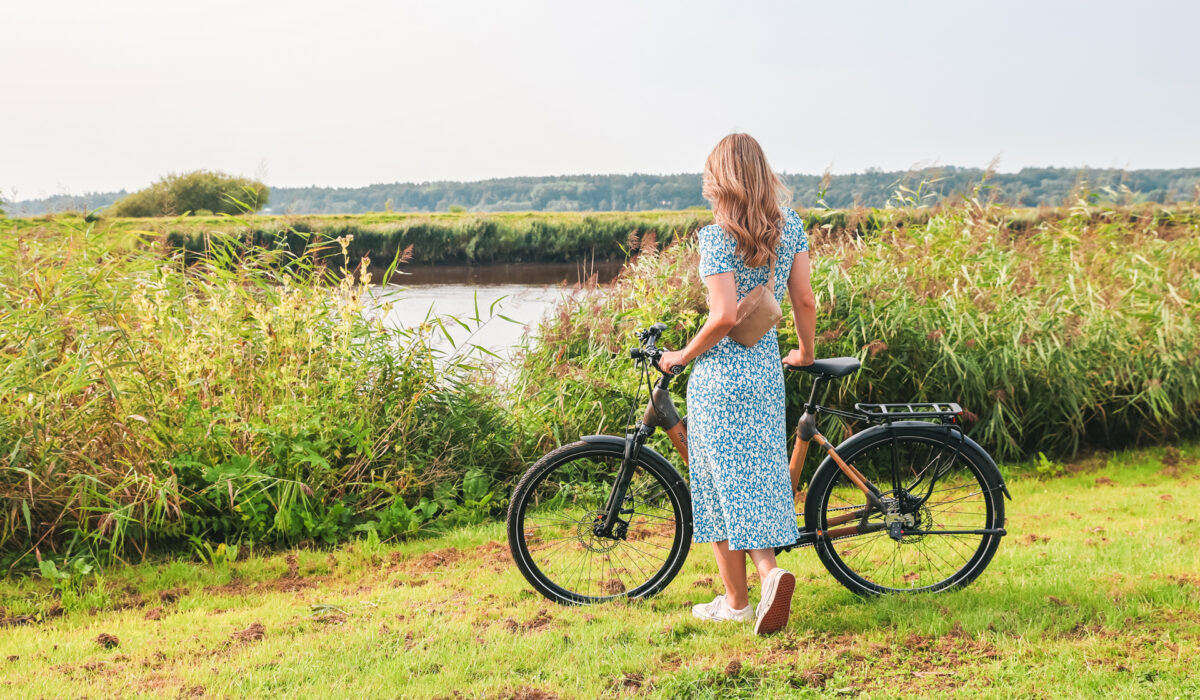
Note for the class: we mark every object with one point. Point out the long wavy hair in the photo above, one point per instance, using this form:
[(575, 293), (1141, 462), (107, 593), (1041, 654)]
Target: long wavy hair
[(746, 197)]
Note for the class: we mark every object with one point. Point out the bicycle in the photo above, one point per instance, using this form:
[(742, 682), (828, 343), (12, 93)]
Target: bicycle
[(909, 504)]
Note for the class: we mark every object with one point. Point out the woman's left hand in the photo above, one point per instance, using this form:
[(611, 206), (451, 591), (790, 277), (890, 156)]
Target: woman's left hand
[(672, 358)]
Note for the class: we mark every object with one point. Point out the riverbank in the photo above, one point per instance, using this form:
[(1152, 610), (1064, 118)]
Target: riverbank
[(1094, 593)]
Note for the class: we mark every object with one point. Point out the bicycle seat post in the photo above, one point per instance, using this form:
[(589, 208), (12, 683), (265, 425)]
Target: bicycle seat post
[(818, 382)]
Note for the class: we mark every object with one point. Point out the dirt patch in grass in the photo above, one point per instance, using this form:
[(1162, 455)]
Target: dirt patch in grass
[(526, 693), (55, 610), (539, 622), (431, 561), (254, 633), (16, 620), (171, 595), (495, 554), (900, 666), (288, 583), (108, 641)]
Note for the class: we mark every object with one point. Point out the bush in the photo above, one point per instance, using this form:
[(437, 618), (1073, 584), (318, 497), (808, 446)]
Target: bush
[(200, 190)]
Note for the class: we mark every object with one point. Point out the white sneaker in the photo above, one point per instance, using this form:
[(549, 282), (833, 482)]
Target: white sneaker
[(776, 604), (719, 611)]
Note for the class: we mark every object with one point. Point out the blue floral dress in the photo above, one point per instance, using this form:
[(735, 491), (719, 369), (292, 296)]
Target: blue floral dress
[(741, 489)]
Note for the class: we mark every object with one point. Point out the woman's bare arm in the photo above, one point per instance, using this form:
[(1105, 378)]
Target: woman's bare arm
[(804, 311), (722, 314)]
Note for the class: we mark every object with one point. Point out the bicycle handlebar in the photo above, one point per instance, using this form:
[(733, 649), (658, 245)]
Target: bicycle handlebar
[(650, 350)]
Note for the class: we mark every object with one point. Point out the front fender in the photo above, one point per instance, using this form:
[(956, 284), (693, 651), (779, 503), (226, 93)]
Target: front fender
[(648, 453)]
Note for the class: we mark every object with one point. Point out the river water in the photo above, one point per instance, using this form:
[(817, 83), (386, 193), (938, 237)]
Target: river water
[(523, 292)]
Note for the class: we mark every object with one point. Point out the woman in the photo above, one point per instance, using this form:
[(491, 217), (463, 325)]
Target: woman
[(741, 491)]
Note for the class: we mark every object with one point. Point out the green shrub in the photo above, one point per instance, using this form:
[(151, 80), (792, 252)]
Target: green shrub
[(194, 192)]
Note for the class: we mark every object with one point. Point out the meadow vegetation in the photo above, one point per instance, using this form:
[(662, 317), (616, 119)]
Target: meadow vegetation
[(247, 397), (1094, 593), (1056, 330), (243, 393)]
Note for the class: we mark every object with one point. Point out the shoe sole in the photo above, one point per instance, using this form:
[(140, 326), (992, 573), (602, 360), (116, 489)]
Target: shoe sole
[(779, 607)]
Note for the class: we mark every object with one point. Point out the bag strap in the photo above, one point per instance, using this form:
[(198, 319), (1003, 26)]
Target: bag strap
[(771, 277)]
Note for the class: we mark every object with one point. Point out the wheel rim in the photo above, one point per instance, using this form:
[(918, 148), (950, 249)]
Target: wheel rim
[(960, 500), (559, 545)]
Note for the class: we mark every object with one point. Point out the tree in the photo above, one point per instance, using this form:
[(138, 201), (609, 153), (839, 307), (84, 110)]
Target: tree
[(198, 190)]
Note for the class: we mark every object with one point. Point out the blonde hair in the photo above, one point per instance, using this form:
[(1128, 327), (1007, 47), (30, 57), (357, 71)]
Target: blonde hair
[(746, 197)]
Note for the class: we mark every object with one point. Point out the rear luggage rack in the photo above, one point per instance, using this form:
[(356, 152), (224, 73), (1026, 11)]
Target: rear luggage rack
[(888, 412)]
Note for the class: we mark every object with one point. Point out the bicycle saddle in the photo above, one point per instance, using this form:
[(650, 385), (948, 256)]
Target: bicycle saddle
[(830, 368)]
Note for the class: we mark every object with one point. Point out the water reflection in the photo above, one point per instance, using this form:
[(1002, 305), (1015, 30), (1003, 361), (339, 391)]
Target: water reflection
[(521, 292)]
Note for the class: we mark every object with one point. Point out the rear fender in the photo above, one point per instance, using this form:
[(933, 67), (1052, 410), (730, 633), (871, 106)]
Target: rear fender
[(935, 430)]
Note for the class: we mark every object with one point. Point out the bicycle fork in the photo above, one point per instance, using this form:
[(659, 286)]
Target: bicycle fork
[(660, 413)]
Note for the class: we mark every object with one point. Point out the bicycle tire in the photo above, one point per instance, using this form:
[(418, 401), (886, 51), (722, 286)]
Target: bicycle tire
[(878, 446), (652, 470)]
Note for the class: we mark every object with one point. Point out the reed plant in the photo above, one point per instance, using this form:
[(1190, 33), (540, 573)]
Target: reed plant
[(245, 392), (1057, 330), (249, 396)]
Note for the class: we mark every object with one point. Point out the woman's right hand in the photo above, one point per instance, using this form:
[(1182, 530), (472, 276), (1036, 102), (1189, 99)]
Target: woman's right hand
[(798, 358)]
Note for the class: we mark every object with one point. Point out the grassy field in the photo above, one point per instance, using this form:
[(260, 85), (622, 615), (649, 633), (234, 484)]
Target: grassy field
[(1095, 592)]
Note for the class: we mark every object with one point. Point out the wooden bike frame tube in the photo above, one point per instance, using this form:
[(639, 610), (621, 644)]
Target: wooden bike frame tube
[(851, 473), (846, 518), (678, 435), (796, 466), (850, 530)]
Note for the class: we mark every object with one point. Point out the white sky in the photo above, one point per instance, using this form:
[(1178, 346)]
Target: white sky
[(96, 96)]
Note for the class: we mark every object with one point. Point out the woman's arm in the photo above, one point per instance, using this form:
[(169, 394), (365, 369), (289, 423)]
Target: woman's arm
[(804, 311), (722, 314)]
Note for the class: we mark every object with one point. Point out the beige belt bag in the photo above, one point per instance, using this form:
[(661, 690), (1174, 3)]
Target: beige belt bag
[(757, 313)]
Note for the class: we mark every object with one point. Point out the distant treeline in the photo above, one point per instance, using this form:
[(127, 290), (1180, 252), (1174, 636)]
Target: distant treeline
[(874, 188)]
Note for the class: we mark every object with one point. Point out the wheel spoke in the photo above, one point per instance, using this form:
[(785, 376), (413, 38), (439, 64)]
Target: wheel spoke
[(562, 551), (956, 498)]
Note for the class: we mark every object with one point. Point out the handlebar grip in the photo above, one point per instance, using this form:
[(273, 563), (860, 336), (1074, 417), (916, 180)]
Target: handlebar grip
[(677, 370)]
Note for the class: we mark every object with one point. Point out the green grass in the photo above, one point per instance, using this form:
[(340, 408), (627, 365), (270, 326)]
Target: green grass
[(1094, 593)]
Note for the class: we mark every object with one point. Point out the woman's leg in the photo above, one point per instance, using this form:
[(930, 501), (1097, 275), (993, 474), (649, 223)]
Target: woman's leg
[(764, 561), (732, 565)]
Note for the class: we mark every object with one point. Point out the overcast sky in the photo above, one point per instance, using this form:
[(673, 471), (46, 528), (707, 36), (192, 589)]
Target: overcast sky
[(99, 96)]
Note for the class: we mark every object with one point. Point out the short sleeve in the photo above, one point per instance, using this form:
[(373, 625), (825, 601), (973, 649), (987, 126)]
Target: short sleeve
[(716, 251), (793, 225)]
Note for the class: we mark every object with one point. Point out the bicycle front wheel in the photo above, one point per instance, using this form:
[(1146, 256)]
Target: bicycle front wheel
[(554, 509), (942, 494)]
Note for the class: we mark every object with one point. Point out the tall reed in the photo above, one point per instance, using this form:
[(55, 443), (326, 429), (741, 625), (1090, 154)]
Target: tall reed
[(1058, 329), (248, 396)]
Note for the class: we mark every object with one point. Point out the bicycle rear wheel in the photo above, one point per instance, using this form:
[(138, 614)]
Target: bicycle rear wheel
[(556, 503), (966, 495)]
